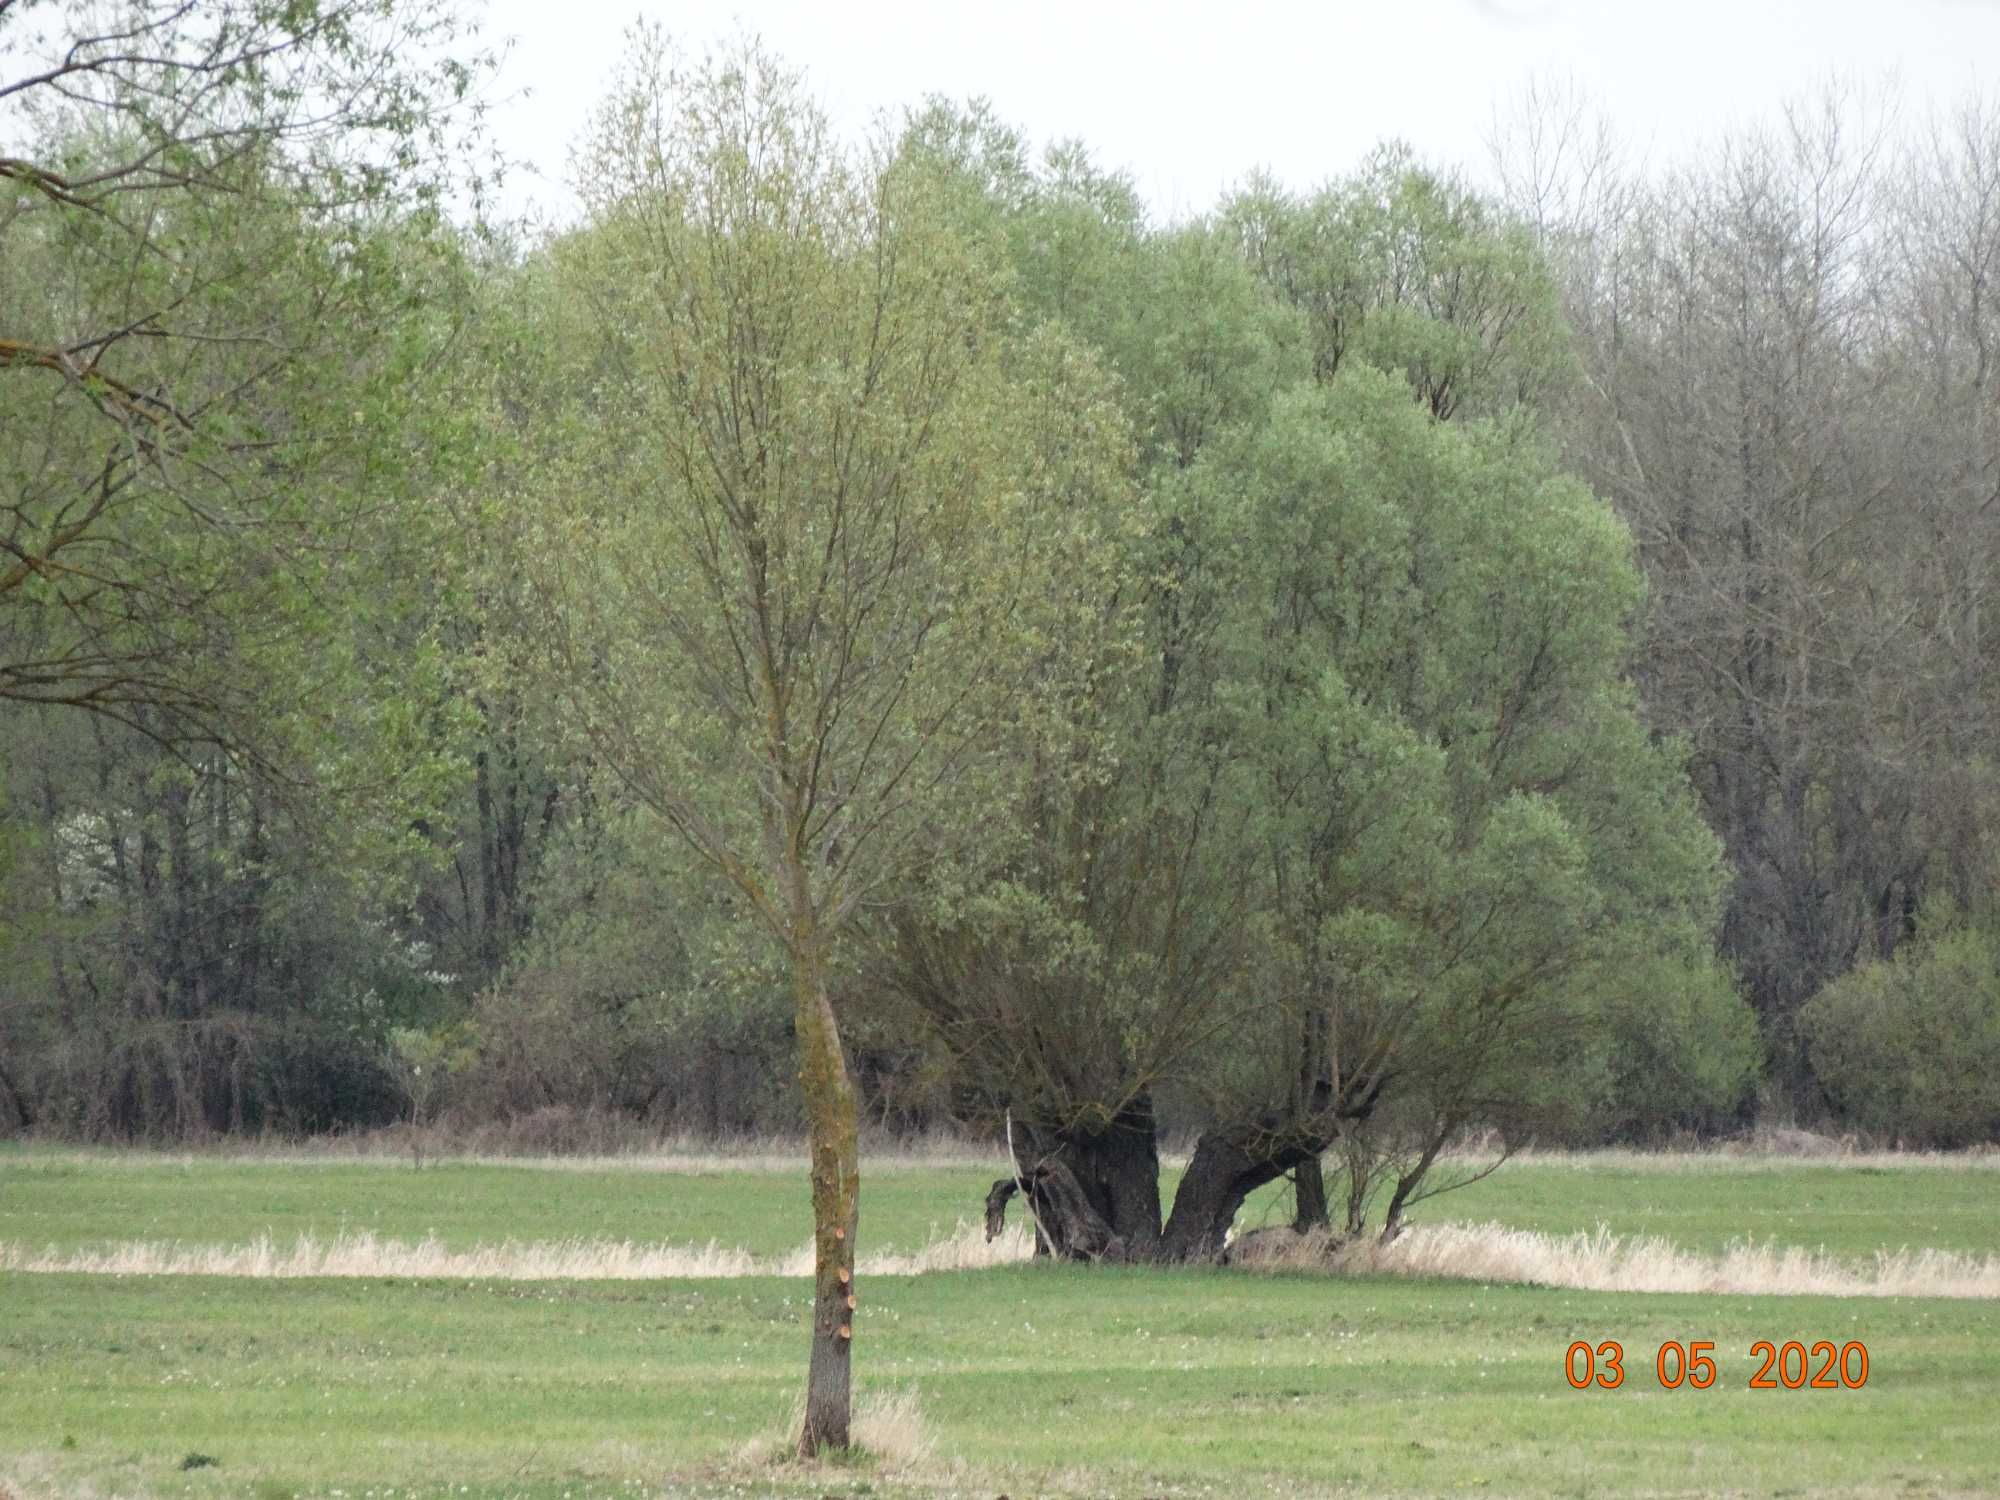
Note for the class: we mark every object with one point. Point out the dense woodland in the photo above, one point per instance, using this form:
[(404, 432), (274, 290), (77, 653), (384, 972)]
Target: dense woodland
[(1442, 652)]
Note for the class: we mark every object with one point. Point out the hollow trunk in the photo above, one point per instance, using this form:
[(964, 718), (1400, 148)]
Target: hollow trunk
[(1226, 1168), (1094, 1194), (1097, 1196), (836, 1191)]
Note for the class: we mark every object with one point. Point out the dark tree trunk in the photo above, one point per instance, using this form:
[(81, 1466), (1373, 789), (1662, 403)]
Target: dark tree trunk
[(1227, 1167), (1310, 1197), (18, 1103), (1109, 1177), (1118, 1171), (1097, 1197), (1067, 1225), (1392, 1221)]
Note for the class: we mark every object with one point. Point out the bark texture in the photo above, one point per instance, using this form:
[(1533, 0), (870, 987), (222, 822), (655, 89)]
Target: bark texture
[(1095, 1193), (836, 1193), (1226, 1169), (1310, 1211), (1096, 1196)]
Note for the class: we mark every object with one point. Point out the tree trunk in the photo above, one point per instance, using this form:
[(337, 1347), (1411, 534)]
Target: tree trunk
[(1309, 1184), (836, 1189), (11, 1091), (1224, 1170), (1097, 1197), (1392, 1221), (1067, 1225), (1114, 1175)]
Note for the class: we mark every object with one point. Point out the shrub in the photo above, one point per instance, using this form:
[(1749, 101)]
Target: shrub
[(1910, 1047), (1683, 1053)]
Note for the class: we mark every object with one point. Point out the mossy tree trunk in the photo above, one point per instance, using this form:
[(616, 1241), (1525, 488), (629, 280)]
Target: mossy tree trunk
[(836, 1196)]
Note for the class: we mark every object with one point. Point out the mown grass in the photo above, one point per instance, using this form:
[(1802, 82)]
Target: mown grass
[(1849, 1210), (1033, 1379), (70, 1202)]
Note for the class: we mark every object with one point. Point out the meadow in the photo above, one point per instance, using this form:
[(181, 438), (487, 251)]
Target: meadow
[(1011, 1379)]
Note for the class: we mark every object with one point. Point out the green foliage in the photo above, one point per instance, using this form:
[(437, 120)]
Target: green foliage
[(1474, 842), (1909, 1047), (1680, 1052), (227, 303), (1378, 803), (848, 526), (1091, 634), (426, 1057), (1413, 272), (642, 989), (214, 316)]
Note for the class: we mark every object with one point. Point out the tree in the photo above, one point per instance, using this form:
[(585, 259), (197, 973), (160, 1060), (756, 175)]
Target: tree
[(219, 218), (1786, 394), (226, 300), (1413, 271), (1463, 830), (822, 533), (1909, 1046), (1396, 860), (1383, 850)]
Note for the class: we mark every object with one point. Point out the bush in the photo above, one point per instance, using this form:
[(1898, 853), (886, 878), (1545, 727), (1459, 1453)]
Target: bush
[(1684, 1054), (547, 1040), (1910, 1048)]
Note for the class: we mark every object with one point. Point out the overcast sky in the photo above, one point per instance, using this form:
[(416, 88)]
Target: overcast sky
[(1187, 97)]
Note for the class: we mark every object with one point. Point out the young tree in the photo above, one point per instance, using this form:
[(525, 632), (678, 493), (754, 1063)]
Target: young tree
[(822, 536)]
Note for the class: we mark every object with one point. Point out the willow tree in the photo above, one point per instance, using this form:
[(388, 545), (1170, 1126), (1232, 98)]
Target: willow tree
[(820, 538), (217, 223)]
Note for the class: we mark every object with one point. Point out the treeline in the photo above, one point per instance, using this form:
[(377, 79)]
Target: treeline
[(1787, 389), (1360, 667)]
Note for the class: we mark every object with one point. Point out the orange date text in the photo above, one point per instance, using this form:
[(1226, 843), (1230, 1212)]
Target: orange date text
[(1790, 1366)]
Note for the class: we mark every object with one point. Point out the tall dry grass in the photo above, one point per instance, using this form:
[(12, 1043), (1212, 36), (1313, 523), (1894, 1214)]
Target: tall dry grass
[(1598, 1261), (1605, 1262), (888, 1427), (363, 1254)]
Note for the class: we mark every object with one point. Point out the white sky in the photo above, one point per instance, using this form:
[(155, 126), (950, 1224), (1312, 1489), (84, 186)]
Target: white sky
[(1188, 97)]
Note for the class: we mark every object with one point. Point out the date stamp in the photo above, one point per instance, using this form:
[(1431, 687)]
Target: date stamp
[(1790, 1366)]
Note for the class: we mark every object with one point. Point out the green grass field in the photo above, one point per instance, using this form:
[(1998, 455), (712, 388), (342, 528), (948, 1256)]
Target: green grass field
[(1030, 1379), (77, 1199)]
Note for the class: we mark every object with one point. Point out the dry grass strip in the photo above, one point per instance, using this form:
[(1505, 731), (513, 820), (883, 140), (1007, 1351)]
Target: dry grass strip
[(1595, 1261), (966, 1248), (1601, 1261)]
